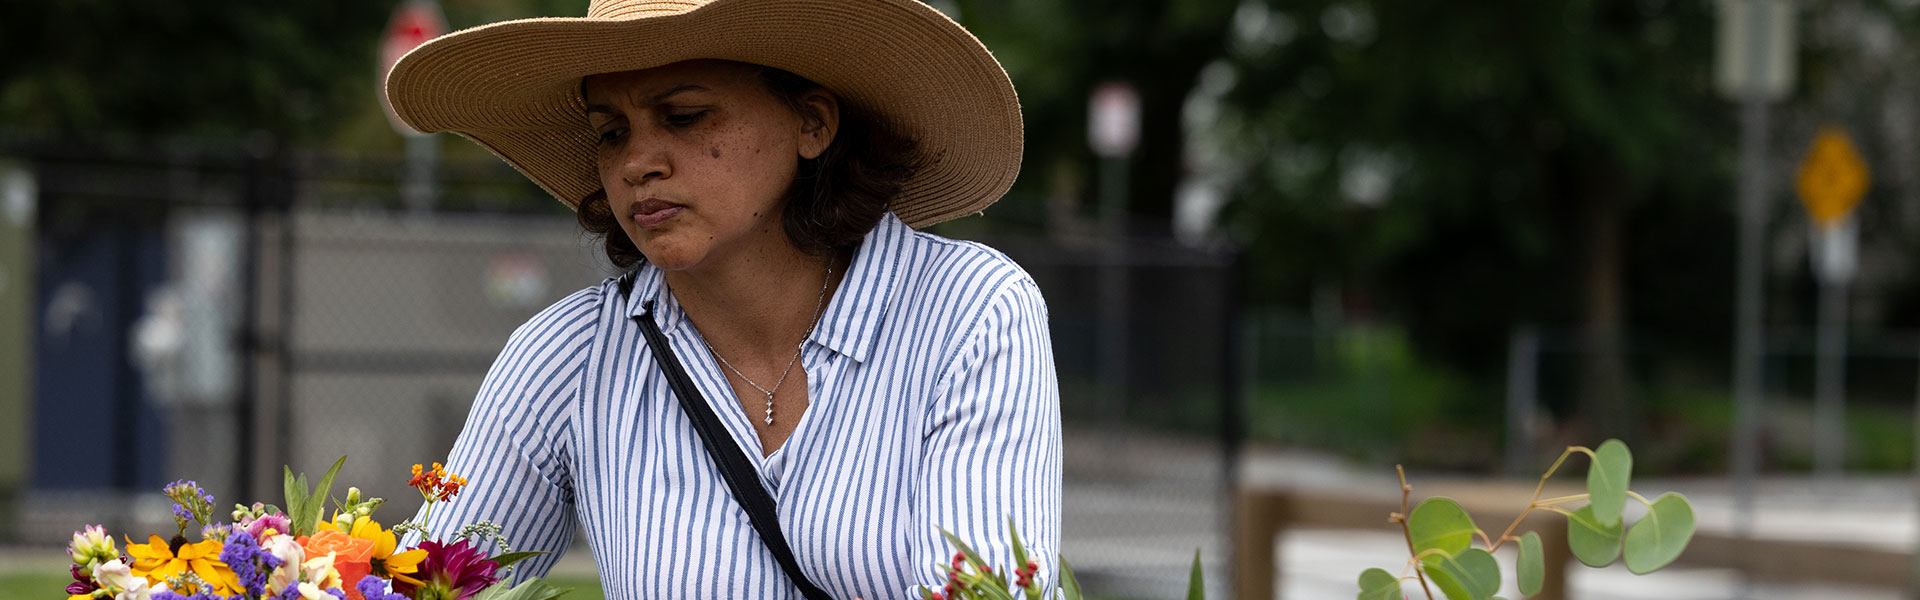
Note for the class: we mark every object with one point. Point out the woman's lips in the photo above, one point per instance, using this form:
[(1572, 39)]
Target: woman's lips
[(650, 213)]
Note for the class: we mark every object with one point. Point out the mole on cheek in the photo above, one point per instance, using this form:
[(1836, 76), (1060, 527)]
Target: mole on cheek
[(715, 152)]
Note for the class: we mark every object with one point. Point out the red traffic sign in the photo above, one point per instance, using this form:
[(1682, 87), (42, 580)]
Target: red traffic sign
[(412, 24)]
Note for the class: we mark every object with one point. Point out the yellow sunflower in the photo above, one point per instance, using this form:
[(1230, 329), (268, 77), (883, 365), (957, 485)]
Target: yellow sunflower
[(157, 562)]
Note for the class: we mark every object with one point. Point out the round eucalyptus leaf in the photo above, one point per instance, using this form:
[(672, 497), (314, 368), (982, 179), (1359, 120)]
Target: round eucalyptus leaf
[(1440, 524), (1594, 544), (1531, 564), (1378, 584), (1469, 575), (1607, 481), (1659, 537)]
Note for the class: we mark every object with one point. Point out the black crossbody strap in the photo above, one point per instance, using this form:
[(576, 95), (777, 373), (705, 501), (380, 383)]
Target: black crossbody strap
[(741, 477)]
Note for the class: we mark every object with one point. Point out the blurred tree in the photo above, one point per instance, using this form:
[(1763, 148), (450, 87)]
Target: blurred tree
[(1479, 168), (1056, 51), (91, 67), (301, 72)]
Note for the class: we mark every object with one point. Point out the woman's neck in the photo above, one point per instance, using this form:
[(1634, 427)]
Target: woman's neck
[(756, 304)]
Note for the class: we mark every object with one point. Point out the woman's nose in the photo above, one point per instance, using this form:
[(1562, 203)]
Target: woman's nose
[(643, 160)]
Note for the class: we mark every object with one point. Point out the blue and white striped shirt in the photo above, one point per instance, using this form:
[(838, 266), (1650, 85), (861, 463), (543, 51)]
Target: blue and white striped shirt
[(932, 403)]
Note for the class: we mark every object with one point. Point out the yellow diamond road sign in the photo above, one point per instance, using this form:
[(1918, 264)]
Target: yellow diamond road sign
[(1832, 178)]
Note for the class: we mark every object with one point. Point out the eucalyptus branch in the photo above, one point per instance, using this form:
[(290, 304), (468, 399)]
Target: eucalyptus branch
[(1563, 499), (1405, 492), (1535, 501)]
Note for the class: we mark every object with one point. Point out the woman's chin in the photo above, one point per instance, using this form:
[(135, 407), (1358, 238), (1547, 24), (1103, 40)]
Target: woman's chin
[(670, 257)]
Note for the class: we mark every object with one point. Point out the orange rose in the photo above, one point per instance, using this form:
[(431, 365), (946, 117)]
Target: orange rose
[(352, 556)]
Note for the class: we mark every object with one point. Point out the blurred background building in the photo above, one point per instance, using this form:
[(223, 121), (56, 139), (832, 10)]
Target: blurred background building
[(1283, 244)]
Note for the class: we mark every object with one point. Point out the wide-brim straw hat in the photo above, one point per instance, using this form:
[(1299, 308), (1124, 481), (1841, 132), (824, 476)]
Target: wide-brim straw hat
[(514, 86)]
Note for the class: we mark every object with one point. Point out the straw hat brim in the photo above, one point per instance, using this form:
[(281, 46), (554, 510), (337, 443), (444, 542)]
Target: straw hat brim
[(513, 87)]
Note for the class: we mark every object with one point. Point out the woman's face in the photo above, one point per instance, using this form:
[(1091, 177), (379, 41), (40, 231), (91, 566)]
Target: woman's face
[(697, 156)]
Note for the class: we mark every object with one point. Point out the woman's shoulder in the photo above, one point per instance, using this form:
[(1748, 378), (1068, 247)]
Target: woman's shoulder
[(969, 268), (573, 318)]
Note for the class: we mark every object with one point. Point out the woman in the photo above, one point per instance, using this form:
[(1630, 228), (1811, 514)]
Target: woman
[(759, 167)]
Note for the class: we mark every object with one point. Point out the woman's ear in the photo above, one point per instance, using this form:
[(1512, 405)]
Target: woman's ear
[(819, 121)]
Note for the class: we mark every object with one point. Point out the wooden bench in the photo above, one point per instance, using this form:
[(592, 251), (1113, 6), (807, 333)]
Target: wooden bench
[(1262, 513)]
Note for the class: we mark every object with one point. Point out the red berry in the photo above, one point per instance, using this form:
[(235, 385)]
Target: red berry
[(986, 569), (1033, 566)]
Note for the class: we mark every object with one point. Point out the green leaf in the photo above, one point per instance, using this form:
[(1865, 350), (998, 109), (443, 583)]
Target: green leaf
[(1069, 586), (1378, 584), (296, 489), (1531, 564), (925, 593), (1594, 544), (1607, 481), (1019, 548), (1469, 575), (972, 557), (1659, 537), (531, 589), (1440, 524), (505, 560), (317, 503), (1196, 583)]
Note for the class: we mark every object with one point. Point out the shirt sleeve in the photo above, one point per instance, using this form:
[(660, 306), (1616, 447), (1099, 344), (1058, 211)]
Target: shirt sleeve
[(513, 450), (993, 444)]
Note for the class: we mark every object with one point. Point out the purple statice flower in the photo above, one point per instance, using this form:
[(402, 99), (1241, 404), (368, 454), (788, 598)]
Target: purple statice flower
[(249, 562), (293, 593), (189, 502), (375, 588), (454, 571)]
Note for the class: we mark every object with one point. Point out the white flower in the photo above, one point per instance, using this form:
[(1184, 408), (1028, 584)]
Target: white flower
[(118, 579), (310, 591), (319, 571), (290, 554)]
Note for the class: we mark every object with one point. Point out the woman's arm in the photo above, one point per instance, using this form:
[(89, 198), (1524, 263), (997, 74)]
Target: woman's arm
[(993, 442), (514, 450)]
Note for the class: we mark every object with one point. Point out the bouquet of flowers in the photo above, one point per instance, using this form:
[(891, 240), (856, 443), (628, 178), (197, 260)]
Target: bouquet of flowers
[(267, 552)]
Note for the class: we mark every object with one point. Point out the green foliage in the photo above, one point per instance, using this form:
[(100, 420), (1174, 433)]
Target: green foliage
[(1594, 544), (1440, 524), (1378, 584), (1470, 574), (1440, 534), (533, 589), (1607, 481), (1531, 564), (304, 508), (1196, 582), (1661, 535), (976, 580)]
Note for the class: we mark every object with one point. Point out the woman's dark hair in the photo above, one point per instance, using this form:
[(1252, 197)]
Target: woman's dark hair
[(835, 199)]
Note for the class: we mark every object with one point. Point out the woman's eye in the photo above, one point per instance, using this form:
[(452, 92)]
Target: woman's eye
[(611, 135), (683, 119)]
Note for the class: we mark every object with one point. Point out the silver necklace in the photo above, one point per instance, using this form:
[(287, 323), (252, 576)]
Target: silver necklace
[(817, 305)]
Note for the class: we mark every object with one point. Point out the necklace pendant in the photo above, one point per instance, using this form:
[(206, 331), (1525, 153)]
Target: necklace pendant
[(769, 413)]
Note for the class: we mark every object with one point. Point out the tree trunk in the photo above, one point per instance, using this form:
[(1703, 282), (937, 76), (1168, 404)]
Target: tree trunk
[(1605, 407)]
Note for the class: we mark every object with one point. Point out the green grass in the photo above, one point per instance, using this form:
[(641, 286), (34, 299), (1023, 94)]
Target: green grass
[(36, 586)]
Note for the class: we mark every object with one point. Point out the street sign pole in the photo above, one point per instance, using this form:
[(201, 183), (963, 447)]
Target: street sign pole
[(1113, 129), (1831, 182), (1830, 379), (1754, 66), (412, 24)]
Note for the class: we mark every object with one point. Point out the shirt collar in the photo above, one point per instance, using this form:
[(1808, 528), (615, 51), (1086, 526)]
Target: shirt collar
[(853, 315)]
